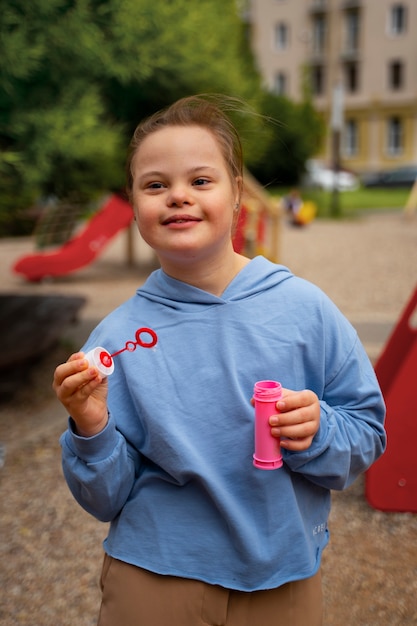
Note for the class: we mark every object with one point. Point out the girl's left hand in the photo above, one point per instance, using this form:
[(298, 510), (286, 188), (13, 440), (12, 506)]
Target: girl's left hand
[(298, 419)]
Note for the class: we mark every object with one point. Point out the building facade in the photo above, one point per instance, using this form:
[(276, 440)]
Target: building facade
[(364, 51)]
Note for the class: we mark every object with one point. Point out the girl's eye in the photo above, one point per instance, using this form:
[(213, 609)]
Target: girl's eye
[(155, 185), (201, 181)]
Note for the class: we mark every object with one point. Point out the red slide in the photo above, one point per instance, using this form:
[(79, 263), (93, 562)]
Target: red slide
[(83, 248)]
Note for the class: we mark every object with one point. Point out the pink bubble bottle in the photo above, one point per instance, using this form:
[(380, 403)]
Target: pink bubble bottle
[(267, 448)]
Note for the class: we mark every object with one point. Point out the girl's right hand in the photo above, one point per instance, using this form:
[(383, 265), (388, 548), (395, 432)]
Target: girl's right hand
[(83, 392)]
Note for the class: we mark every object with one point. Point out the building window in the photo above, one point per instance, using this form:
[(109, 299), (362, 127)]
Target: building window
[(352, 31), (351, 77), (319, 34), (280, 84), (351, 138), (396, 75), (317, 80), (397, 19), (281, 36), (395, 136)]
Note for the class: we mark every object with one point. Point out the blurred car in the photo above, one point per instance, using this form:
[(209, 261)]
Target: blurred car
[(319, 176), (398, 177)]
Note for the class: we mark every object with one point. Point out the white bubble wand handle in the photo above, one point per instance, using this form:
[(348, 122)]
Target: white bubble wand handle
[(101, 359)]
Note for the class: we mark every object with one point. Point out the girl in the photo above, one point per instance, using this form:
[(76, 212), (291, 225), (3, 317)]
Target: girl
[(163, 447)]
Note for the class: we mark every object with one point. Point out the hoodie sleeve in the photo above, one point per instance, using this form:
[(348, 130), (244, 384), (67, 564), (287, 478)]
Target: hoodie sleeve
[(351, 435), (99, 470)]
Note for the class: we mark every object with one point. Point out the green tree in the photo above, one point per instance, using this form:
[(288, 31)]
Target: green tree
[(77, 75), (296, 130), (55, 135), (194, 48)]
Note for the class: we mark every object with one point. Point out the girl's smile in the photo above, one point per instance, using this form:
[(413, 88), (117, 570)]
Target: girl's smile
[(180, 221)]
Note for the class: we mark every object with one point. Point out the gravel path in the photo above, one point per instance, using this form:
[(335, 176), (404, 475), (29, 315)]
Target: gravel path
[(50, 550)]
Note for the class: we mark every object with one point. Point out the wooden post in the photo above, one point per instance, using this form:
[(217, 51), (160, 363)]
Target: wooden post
[(336, 126), (130, 256), (411, 203), (257, 199)]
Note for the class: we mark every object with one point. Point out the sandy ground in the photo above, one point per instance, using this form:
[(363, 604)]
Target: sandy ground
[(50, 550)]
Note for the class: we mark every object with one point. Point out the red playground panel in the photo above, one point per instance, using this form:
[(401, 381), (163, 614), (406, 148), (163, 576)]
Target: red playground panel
[(391, 483), (83, 248)]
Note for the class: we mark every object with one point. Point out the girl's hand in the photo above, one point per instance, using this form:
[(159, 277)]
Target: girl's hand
[(298, 419), (83, 392)]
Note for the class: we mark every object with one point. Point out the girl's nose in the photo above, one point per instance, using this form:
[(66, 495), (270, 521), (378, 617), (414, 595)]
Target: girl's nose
[(178, 196)]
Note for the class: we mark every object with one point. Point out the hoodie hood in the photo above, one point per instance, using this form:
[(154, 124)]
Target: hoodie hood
[(257, 276)]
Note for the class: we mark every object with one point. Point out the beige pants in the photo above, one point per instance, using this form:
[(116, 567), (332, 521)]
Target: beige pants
[(136, 597)]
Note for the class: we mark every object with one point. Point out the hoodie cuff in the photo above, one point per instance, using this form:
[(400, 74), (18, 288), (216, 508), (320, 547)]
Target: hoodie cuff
[(92, 449)]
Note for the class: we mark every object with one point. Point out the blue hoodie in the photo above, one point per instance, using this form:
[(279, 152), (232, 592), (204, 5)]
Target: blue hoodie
[(173, 472)]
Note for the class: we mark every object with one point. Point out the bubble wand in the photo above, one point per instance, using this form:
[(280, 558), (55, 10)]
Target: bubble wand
[(100, 358)]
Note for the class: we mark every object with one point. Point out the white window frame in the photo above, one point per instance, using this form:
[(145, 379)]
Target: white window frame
[(320, 71), (281, 83), (352, 77), (281, 36), (395, 135), (352, 31), (319, 34), (401, 74), (351, 138), (397, 24)]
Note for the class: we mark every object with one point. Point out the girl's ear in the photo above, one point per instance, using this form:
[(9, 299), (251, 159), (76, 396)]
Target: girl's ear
[(239, 189), (238, 199)]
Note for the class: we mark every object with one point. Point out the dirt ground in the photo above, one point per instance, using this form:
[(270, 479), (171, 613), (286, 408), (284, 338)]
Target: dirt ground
[(50, 550)]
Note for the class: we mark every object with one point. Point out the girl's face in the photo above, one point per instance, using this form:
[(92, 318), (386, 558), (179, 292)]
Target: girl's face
[(183, 196)]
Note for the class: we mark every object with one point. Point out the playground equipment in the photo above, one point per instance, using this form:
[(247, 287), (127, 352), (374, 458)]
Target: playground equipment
[(259, 227), (411, 203), (391, 483), (257, 233), (83, 248)]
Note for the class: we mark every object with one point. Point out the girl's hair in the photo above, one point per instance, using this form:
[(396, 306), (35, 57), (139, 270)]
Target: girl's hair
[(207, 111)]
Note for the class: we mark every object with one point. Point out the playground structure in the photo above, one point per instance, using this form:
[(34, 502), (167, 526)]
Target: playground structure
[(391, 483), (259, 227), (257, 232), (411, 203), (82, 248)]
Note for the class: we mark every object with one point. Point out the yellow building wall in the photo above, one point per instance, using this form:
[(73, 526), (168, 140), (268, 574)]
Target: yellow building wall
[(372, 126)]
